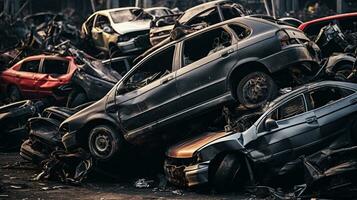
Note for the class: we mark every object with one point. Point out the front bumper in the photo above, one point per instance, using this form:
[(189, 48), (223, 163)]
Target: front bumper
[(136, 44), (187, 176), (69, 140)]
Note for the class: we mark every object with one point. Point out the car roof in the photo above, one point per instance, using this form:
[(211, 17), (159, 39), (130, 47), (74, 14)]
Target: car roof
[(155, 8), (115, 9), (189, 13), (339, 16), (312, 86)]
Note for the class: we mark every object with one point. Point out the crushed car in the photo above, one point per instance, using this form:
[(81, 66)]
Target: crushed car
[(43, 133), (13, 120), (118, 31), (261, 145), (37, 77), (95, 78), (187, 79), (198, 17)]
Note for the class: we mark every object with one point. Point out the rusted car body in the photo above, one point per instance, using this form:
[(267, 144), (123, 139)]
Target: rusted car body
[(37, 77), (121, 29), (182, 80), (301, 122), (201, 16)]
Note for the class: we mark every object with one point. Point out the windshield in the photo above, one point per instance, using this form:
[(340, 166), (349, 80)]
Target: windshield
[(128, 15)]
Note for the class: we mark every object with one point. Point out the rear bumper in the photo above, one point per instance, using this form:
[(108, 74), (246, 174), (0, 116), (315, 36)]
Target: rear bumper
[(187, 176), (30, 154), (288, 56)]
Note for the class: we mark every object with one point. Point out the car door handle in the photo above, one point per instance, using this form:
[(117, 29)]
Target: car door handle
[(311, 120), (227, 53), (166, 80)]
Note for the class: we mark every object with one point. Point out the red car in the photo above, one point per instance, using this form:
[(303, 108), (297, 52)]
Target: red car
[(37, 77), (347, 22)]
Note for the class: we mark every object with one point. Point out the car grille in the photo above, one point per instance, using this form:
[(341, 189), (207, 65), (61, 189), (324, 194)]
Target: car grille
[(176, 175)]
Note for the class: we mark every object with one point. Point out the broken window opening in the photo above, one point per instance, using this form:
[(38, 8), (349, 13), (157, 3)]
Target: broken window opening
[(205, 44), (208, 17), (240, 31), (102, 21), (30, 66), (326, 95), (152, 69), (55, 66), (293, 107)]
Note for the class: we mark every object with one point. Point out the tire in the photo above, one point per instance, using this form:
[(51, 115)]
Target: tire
[(255, 89), (14, 94), (227, 172), (104, 143), (76, 98)]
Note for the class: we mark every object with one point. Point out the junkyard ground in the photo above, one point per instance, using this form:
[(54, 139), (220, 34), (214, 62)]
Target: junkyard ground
[(16, 182)]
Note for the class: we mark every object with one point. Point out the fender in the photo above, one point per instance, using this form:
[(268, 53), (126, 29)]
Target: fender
[(239, 65)]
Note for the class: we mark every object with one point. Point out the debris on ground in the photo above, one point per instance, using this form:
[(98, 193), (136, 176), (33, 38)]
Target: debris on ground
[(143, 183)]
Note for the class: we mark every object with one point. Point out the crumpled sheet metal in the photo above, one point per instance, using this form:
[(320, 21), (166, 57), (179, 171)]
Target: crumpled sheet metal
[(69, 168)]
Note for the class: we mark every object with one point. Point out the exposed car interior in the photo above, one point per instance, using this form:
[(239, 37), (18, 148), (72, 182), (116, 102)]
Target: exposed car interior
[(205, 44), (152, 69), (57, 67), (30, 66)]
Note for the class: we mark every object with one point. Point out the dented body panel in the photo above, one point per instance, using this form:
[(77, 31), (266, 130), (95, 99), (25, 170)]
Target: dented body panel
[(268, 151)]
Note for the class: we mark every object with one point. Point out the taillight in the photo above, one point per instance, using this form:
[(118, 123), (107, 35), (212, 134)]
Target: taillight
[(283, 38)]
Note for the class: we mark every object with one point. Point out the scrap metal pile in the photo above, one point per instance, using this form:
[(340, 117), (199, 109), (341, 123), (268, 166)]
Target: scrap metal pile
[(218, 97)]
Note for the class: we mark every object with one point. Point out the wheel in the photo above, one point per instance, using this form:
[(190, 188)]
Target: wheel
[(14, 94), (104, 143), (255, 89), (76, 98), (227, 173)]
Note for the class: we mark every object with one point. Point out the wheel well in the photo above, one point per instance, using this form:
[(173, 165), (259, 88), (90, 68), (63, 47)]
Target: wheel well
[(240, 71), (216, 161), (84, 131)]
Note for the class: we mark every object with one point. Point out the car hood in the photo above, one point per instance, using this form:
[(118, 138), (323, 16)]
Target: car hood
[(188, 148), (134, 26)]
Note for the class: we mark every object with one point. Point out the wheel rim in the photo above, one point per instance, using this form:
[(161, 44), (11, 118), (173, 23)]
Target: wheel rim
[(256, 90), (102, 144)]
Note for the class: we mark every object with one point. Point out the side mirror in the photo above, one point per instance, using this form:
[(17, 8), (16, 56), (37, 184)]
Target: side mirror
[(107, 29), (270, 124)]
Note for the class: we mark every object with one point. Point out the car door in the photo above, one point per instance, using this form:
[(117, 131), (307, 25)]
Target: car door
[(206, 60), (51, 75), (148, 94), (97, 30), (331, 105), (296, 128), (26, 75)]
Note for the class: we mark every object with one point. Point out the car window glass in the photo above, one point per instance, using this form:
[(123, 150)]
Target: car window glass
[(205, 44), (152, 69), (326, 95), (55, 66), (30, 66), (102, 21), (240, 31), (127, 15), (208, 17), (293, 107)]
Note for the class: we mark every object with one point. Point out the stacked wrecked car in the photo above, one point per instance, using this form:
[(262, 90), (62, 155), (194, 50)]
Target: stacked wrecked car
[(227, 100)]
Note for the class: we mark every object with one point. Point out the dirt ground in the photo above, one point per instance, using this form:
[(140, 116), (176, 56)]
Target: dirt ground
[(16, 183)]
